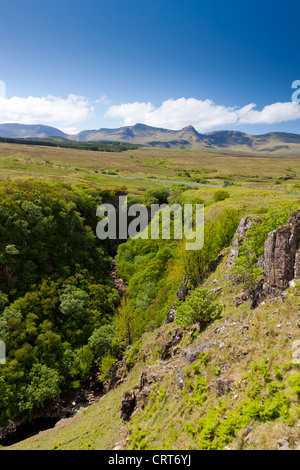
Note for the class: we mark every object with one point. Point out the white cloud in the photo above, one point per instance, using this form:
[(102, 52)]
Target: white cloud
[(69, 130), (45, 110), (104, 100), (203, 115)]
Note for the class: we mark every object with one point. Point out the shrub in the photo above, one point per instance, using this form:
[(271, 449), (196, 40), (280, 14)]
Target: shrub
[(221, 195), (132, 356), (199, 307), (157, 196), (105, 367)]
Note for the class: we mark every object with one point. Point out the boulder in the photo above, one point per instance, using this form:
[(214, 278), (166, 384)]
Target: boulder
[(191, 354), (223, 386), (148, 377)]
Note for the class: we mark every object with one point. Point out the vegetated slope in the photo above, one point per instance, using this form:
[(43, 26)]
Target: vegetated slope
[(277, 143), (29, 130), (62, 142), (221, 375), (55, 291), (189, 138)]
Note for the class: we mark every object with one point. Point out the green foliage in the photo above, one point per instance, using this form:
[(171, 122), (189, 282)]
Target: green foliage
[(55, 291), (246, 273), (105, 366), (217, 235), (103, 341), (97, 146), (157, 195), (257, 234), (199, 307), (43, 384), (132, 356), (85, 357), (266, 399), (221, 195), (150, 266), (73, 302)]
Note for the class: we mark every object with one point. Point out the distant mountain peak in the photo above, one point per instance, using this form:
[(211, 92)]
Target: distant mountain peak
[(139, 125), (187, 138), (189, 128)]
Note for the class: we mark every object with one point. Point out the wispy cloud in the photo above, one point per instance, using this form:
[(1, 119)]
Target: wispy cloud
[(203, 115), (45, 110), (104, 100)]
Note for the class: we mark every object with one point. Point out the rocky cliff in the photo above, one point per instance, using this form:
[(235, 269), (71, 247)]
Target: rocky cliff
[(282, 257)]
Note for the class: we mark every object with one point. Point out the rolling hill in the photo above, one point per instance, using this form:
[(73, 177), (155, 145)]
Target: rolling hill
[(280, 143), (29, 131)]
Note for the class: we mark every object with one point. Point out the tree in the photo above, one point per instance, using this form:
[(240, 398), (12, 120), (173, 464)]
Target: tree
[(43, 384), (103, 341), (125, 322), (85, 358), (199, 307), (73, 302)]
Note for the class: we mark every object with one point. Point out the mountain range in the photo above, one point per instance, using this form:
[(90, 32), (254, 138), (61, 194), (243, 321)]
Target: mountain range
[(186, 138)]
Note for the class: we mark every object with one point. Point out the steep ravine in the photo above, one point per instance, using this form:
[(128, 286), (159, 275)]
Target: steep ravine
[(91, 389), (281, 266)]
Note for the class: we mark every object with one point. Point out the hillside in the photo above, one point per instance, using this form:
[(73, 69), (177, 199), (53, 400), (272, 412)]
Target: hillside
[(29, 131), (211, 362), (276, 143), (189, 138)]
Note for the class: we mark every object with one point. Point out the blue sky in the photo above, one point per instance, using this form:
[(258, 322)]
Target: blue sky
[(213, 64)]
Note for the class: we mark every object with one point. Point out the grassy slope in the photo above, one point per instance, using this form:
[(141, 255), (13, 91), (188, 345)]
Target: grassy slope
[(79, 165), (169, 421)]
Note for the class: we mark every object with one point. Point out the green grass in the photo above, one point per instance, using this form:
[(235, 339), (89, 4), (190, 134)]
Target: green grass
[(17, 161)]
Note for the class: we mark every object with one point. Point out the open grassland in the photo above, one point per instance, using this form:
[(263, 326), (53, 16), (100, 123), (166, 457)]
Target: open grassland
[(140, 168)]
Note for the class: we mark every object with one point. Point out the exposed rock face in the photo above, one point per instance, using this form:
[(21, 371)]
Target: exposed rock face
[(128, 404), (280, 262), (282, 257), (117, 375), (191, 354), (148, 377), (118, 282), (171, 315), (182, 292), (166, 348), (239, 237)]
